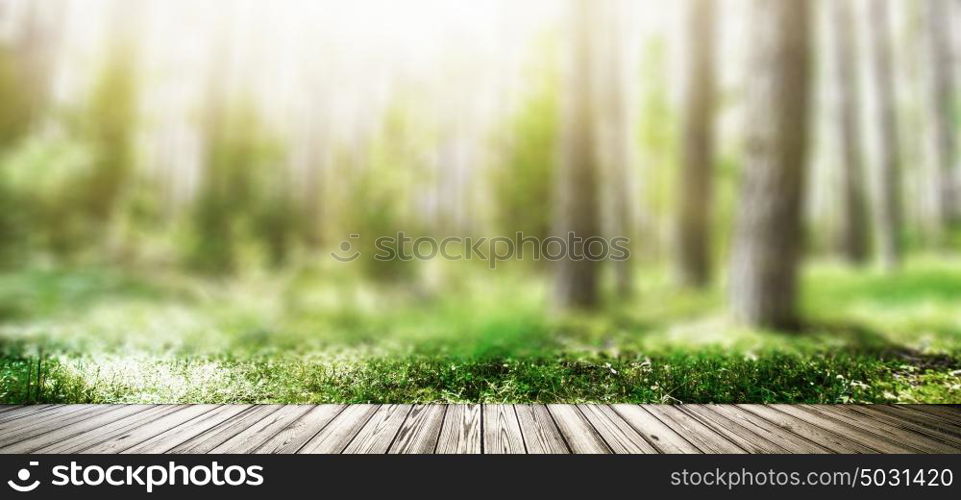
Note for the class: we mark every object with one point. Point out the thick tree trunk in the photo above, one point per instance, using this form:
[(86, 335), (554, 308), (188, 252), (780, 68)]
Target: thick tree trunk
[(577, 208), (768, 234), (941, 80), (888, 206), (697, 151), (854, 237)]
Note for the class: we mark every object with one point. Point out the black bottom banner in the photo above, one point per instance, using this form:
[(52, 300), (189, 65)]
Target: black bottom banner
[(449, 476)]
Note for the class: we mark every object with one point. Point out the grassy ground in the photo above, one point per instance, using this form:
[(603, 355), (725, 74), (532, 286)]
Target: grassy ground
[(104, 336)]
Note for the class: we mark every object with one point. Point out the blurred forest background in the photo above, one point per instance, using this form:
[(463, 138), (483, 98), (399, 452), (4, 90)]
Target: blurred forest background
[(175, 174)]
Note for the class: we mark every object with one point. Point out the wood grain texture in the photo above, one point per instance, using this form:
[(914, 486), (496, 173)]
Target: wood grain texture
[(502, 431), (541, 435), (293, 437), (334, 437), (769, 431), (578, 432), (461, 432), (203, 443), (699, 434), (36, 426), (514, 429), (379, 432), (25, 411), (251, 438), (619, 435), (419, 433), (835, 442), (931, 421), (893, 433), (175, 436), (108, 430), (661, 436), (140, 433), (60, 433), (857, 433), (733, 431)]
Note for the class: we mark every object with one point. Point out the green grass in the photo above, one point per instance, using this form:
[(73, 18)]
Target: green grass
[(312, 335)]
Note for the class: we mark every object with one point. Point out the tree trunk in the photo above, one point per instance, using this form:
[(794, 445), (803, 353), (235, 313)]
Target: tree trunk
[(696, 180), (940, 67), (768, 234), (618, 140), (888, 209), (854, 236), (577, 211)]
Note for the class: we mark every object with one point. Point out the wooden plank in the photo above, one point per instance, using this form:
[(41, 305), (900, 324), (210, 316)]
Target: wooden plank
[(793, 443), (52, 417), (169, 439), (419, 433), (578, 432), (294, 436), (6, 408), (859, 434), (698, 433), (26, 411), (950, 412), (502, 432), (20, 430), (340, 431), (203, 443), (541, 435), (895, 430), (947, 415), (377, 435), (249, 439), (930, 420), (85, 439), (54, 434), (617, 433), (461, 432), (661, 437), (140, 433), (835, 442), (476, 429), (733, 431)]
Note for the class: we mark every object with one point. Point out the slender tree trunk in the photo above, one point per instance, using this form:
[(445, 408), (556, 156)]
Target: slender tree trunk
[(888, 209), (39, 33), (697, 151), (854, 218), (941, 80), (318, 159), (577, 208), (768, 234), (619, 135)]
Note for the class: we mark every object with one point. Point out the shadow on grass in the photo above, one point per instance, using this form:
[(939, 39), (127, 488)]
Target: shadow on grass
[(869, 342)]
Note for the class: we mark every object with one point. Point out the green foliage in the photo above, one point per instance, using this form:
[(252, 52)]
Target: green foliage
[(15, 112), (309, 338), (108, 125), (60, 191), (238, 200), (381, 181), (14, 115), (42, 178), (658, 141), (522, 183)]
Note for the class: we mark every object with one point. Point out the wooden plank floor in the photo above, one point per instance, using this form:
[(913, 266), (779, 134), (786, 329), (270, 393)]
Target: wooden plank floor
[(405, 428)]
